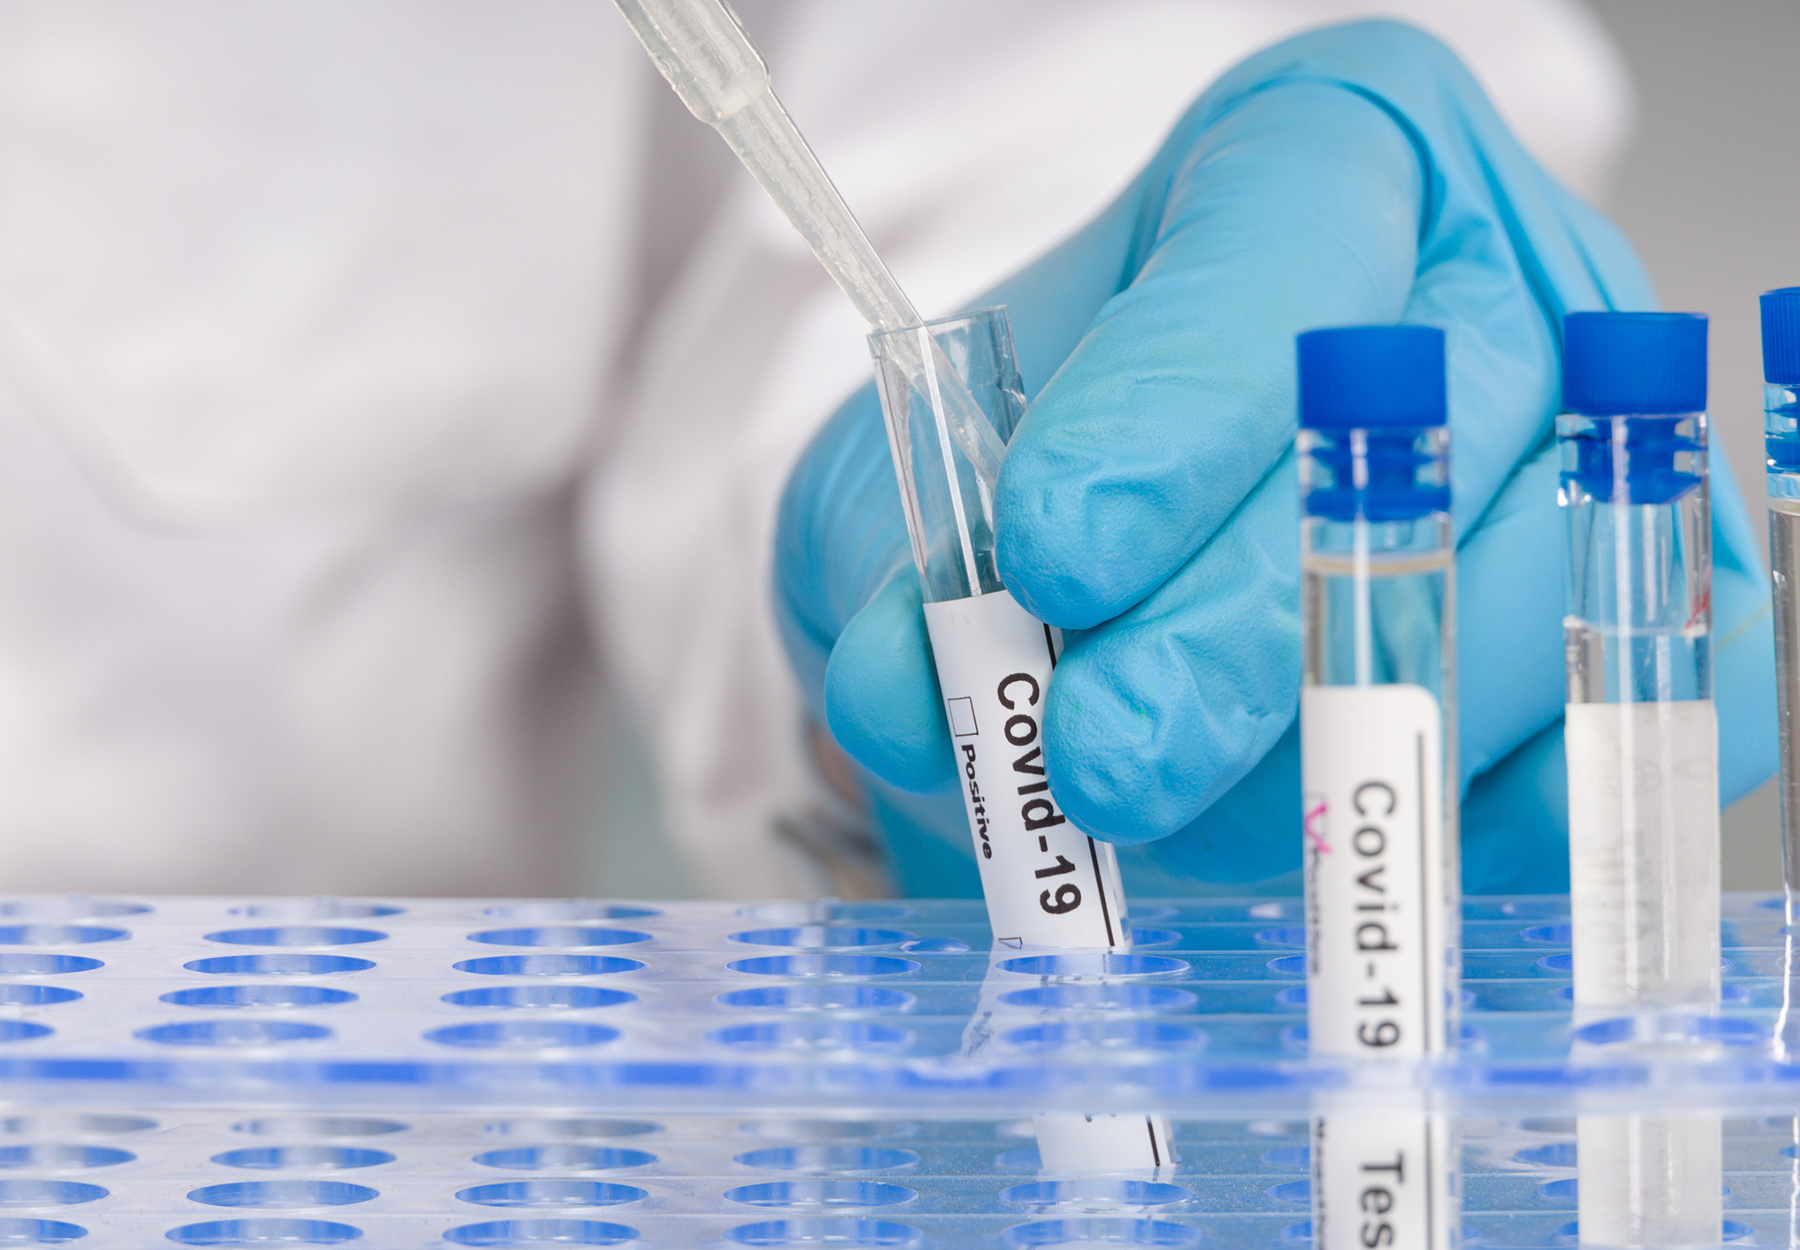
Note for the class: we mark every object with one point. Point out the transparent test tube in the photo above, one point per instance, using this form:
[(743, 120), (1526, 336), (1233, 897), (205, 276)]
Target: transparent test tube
[(1781, 443), (1781, 448), (1642, 745), (1378, 751), (1047, 884), (1641, 734)]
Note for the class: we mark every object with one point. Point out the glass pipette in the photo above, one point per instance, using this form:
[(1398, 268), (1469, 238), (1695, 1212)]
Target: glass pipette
[(718, 73)]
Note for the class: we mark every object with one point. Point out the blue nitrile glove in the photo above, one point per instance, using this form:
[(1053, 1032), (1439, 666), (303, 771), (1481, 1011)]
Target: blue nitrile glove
[(1148, 500)]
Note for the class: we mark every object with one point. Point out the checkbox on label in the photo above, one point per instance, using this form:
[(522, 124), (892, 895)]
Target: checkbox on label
[(962, 717)]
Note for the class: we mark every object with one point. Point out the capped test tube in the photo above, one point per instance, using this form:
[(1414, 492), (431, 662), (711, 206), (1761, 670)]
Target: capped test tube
[(1642, 744), (1781, 444), (1378, 749), (1640, 731)]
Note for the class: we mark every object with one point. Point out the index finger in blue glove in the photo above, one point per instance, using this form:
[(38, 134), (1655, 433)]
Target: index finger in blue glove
[(1136, 457), (1354, 175)]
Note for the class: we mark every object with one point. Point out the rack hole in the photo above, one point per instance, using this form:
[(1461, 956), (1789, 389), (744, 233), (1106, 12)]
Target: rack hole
[(821, 1194), (824, 966), (1102, 1231), (1108, 1035), (541, 1232), (1096, 964), (522, 1034), (547, 965), (573, 936), (77, 1125), (565, 1157), (275, 1158), (277, 1194), (824, 937), (233, 1033), (17, 1232), (568, 909), (36, 995), (69, 907), (1095, 1194), (829, 1158), (1102, 997), (21, 964), (296, 935), (834, 1232), (263, 1232), (814, 1035), (62, 1158), (325, 908), (825, 997), (284, 965), (303, 1126), (57, 934), (830, 1130), (36, 1193), (552, 1193), (257, 996), (571, 996)]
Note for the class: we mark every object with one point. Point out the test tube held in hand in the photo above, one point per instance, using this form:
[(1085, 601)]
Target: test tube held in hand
[(1642, 744), (947, 444), (1047, 883), (1378, 750)]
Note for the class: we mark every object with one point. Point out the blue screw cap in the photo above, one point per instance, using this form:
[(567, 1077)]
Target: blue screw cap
[(1781, 335), (1618, 364), (1372, 377)]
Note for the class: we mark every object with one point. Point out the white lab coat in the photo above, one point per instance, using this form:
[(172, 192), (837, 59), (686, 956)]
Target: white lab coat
[(386, 386)]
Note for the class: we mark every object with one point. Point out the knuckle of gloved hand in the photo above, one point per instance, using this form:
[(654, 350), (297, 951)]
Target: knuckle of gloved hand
[(1146, 728), (881, 701), (1121, 479)]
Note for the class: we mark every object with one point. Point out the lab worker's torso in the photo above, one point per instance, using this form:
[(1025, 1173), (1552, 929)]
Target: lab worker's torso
[(348, 351)]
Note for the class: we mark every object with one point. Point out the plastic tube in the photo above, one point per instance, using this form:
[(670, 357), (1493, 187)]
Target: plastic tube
[(701, 48), (1377, 726), (1781, 443), (1642, 744), (1641, 734)]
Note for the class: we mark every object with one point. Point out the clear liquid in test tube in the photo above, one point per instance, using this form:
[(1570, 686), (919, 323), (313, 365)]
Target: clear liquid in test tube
[(1781, 447), (1642, 744), (1781, 444), (1378, 752)]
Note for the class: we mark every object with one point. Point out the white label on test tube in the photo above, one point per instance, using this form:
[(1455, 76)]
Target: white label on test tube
[(1384, 1181), (1124, 1142), (1379, 939), (1046, 882), (1644, 852), (1067, 1141), (1378, 929)]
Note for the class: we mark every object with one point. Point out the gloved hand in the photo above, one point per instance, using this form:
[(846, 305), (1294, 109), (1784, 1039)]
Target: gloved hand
[(1148, 499)]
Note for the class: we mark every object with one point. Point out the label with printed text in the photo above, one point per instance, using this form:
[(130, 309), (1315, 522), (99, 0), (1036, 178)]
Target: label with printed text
[(1046, 882), (1386, 1182), (1379, 935)]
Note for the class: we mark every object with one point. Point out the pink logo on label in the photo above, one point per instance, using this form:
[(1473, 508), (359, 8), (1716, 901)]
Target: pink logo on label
[(1312, 823)]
